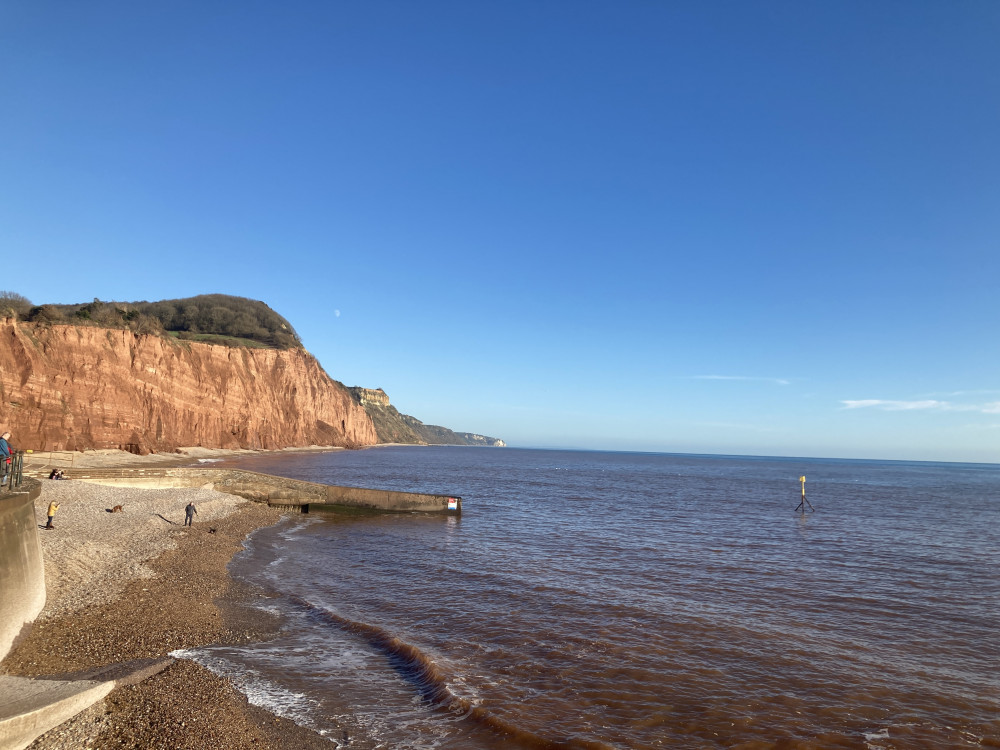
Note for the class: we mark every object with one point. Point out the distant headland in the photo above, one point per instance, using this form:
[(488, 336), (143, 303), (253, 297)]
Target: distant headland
[(393, 427)]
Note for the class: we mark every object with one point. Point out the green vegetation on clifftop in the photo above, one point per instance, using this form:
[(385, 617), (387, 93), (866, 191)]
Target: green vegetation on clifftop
[(212, 318)]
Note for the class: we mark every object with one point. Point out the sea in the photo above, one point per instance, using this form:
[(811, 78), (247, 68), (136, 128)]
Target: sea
[(632, 600)]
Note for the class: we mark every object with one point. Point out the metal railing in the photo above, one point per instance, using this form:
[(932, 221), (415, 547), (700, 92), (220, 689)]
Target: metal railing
[(12, 472)]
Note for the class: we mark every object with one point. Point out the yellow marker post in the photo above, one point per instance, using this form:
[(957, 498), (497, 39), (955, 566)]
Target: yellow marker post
[(804, 502)]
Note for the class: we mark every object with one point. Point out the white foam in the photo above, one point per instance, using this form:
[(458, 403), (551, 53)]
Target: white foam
[(269, 608), (276, 699), (874, 737), (288, 704)]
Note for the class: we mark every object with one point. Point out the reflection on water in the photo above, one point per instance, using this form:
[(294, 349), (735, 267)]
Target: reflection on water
[(635, 601)]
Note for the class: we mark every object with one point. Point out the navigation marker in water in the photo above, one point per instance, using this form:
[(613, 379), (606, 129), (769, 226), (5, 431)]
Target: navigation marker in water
[(804, 503)]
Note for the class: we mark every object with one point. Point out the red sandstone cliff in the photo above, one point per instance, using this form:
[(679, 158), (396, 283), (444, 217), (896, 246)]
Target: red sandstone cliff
[(72, 387)]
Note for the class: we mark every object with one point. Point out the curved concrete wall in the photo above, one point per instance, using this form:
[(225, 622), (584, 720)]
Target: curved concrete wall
[(22, 577)]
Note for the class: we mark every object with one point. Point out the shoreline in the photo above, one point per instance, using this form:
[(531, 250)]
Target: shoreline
[(112, 458), (138, 584)]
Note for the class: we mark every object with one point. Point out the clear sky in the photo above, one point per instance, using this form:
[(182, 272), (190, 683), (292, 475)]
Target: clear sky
[(714, 227)]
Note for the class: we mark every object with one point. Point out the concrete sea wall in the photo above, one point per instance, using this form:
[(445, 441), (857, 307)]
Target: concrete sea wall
[(22, 576), (290, 494)]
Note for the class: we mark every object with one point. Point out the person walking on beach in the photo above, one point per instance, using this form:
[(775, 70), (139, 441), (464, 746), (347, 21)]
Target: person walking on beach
[(53, 507), (5, 454), (189, 513)]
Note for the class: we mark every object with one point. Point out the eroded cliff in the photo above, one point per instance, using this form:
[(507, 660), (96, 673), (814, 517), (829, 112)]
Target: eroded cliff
[(68, 387)]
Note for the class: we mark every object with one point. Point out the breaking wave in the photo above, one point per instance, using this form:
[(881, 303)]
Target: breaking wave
[(432, 684)]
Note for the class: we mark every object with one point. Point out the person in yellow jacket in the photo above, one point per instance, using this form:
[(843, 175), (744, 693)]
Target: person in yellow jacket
[(53, 507)]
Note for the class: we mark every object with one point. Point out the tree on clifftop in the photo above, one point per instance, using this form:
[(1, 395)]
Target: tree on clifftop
[(224, 315), (13, 304)]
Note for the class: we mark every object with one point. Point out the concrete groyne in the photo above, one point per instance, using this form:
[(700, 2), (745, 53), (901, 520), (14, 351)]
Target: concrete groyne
[(22, 576), (291, 494)]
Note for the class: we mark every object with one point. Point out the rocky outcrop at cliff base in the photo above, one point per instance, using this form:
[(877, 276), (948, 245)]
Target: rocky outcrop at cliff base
[(66, 387)]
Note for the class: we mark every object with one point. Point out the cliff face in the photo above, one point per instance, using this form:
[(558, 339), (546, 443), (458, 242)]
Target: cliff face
[(394, 427), (371, 397), (73, 388)]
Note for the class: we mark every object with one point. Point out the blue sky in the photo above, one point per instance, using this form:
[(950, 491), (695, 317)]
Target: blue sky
[(715, 227)]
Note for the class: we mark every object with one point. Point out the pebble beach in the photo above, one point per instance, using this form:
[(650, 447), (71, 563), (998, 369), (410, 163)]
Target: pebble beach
[(137, 584)]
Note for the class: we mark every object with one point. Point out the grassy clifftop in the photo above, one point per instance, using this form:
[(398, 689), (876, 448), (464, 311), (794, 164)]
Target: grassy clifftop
[(213, 318)]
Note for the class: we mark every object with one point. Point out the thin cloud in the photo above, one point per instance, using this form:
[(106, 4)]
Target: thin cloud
[(959, 394), (776, 381), (921, 405), (877, 403)]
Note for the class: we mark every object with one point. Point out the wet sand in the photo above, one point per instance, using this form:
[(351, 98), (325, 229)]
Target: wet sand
[(138, 584)]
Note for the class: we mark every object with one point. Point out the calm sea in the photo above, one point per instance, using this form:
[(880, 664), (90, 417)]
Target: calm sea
[(629, 600)]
